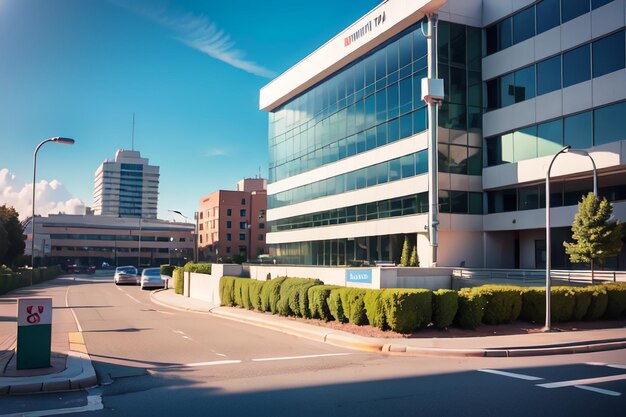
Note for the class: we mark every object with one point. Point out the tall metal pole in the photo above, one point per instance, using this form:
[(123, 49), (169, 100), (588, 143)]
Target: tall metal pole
[(433, 116), (548, 323)]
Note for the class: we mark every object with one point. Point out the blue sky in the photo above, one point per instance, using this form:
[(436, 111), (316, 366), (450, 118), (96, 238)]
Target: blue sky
[(190, 70)]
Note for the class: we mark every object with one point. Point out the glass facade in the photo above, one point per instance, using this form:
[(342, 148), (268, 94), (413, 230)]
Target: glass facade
[(376, 100), (583, 130), (536, 19), (560, 71)]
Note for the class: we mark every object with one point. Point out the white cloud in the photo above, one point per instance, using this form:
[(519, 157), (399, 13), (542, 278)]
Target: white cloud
[(198, 32), (51, 197)]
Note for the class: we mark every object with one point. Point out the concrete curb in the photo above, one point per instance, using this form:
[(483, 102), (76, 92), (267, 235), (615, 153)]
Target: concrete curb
[(391, 346), (78, 374)]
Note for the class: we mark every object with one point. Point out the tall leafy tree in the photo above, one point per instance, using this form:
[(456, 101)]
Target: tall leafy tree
[(595, 236), (4, 242), (15, 240)]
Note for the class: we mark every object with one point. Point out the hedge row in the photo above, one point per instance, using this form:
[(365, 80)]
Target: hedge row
[(178, 275), (200, 268), (22, 278), (406, 310)]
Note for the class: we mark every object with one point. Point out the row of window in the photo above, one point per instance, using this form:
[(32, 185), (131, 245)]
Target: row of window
[(388, 132), (388, 171), (457, 202), (242, 237), (242, 225), (534, 197), (575, 66), (133, 238), (581, 131), (534, 20), (132, 167), (109, 249)]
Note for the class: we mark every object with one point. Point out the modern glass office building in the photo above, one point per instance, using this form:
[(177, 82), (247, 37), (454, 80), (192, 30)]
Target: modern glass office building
[(127, 186), (348, 133)]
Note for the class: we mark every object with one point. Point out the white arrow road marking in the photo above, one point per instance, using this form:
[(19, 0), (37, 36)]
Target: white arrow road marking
[(599, 390), (511, 375), (94, 403), (587, 381), (286, 358)]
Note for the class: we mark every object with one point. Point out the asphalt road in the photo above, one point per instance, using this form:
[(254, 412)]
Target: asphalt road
[(154, 361)]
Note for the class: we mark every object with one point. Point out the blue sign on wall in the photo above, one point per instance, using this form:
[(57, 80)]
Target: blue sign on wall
[(363, 276)]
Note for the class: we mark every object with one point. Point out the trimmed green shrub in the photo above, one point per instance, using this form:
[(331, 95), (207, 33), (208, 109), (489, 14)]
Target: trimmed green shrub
[(335, 306), (288, 303), (375, 309), (616, 306), (582, 297), (599, 301), (178, 280), (270, 294), (445, 305), (503, 303), (562, 302), (533, 305), (303, 297), (199, 268), (255, 293), (471, 309), (241, 296), (353, 306), (318, 301), (407, 309), (227, 291), (167, 270)]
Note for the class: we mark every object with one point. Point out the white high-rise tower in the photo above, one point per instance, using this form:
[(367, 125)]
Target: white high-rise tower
[(126, 186)]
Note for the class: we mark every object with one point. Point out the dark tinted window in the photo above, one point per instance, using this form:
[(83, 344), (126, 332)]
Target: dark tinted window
[(548, 15), (524, 84), (549, 75), (491, 34), (609, 124), (524, 25), (492, 94), (599, 3), (505, 33), (571, 9), (576, 66), (608, 54), (507, 90), (578, 130)]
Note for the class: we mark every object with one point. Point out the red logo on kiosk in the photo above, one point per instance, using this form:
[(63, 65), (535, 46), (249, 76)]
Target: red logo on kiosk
[(34, 318)]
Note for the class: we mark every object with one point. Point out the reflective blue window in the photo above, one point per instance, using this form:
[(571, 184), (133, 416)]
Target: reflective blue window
[(505, 33), (549, 137), (608, 54), (571, 9), (609, 124), (548, 15), (549, 75), (507, 90), (524, 84), (576, 66), (599, 3), (524, 25), (577, 130), (525, 143)]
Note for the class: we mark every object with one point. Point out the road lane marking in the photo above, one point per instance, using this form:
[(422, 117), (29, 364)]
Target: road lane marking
[(133, 298), (67, 304), (587, 381), (286, 358), (511, 374), (599, 390), (94, 403), (178, 332), (213, 363), (221, 354)]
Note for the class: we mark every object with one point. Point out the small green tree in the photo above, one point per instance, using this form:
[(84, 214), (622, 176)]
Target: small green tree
[(595, 236), (414, 261), (405, 258), (15, 240)]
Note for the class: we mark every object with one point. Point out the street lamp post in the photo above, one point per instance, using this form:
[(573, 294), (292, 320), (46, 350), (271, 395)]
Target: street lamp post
[(195, 231), (64, 141), (567, 149)]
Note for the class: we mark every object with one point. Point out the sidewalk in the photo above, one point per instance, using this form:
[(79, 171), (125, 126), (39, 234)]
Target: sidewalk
[(70, 364), (534, 344)]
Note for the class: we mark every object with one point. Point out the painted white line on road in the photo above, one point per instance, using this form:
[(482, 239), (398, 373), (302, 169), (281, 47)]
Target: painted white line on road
[(178, 332), (213, 363), (608, 365), (587, 381), (67, 304), (599, 390), (133, 298), (221, 354), (511, 375), (187, 337), (94, 403), (286, 358)]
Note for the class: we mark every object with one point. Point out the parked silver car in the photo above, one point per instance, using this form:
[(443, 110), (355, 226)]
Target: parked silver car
[(126, 275), (151, 278)]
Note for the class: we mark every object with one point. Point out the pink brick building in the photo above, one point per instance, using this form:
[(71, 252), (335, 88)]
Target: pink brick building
[(233, 223)]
